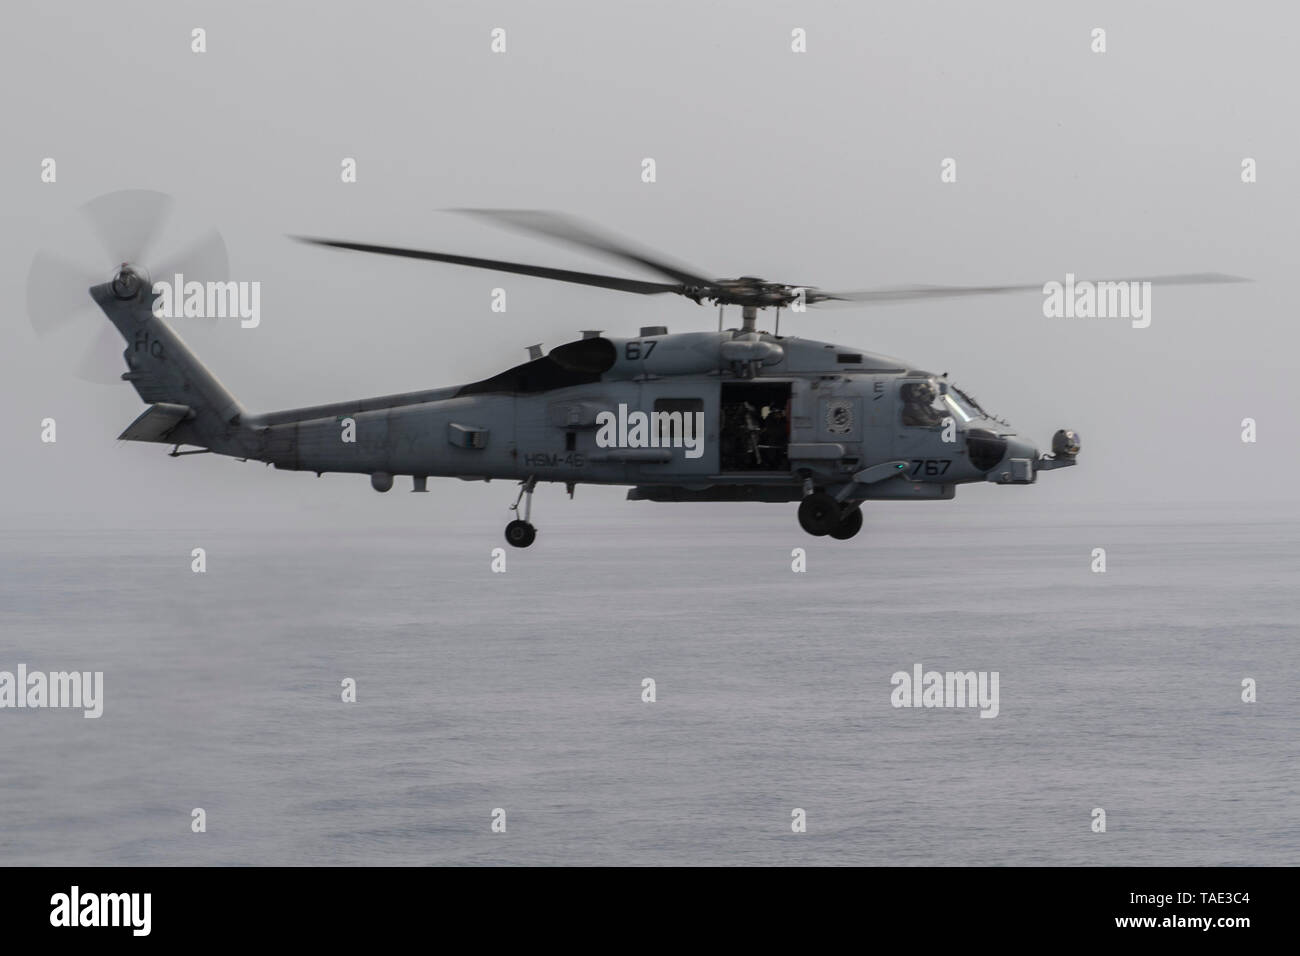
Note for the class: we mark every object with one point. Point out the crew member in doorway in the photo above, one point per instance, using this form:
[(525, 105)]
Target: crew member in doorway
[(776, 438)]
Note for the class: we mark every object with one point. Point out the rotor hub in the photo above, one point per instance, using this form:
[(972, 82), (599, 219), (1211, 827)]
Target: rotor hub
[(127, 281)]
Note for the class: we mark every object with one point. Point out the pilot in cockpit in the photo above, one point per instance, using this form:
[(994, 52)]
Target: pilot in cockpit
[(919, 400)]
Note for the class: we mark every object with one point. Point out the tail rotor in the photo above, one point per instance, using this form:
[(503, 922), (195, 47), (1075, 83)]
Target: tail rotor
[(111, 238)]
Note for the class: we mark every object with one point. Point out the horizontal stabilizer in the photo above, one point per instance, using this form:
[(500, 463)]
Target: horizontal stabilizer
[(156, 422)]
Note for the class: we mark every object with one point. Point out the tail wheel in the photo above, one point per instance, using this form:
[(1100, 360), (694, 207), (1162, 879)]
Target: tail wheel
[(819, 513), (850, 523)]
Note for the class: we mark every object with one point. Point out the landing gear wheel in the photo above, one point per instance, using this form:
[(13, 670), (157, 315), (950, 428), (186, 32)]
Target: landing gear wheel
[(850, 523), (819, 513), (520, 533)]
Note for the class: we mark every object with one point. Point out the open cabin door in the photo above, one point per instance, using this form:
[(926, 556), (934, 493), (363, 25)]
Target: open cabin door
[(755, 432)]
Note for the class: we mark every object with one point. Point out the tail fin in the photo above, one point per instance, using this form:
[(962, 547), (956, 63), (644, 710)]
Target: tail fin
[(188, 404)]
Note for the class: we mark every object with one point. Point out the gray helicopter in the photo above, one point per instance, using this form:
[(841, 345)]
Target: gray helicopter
[(729, 415)]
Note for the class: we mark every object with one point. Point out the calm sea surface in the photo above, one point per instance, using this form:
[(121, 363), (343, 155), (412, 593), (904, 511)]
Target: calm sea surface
[(522, 691)]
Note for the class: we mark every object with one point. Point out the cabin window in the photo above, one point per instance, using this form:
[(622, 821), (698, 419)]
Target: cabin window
[(670, 417)]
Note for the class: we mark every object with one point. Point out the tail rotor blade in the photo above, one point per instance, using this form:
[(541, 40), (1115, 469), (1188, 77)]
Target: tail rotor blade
[(126, 224), (205, 260), (127, 221), (56, 291), (101, 364)]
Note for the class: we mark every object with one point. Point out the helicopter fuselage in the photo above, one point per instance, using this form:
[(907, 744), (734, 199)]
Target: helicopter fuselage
[(698, 416), (693, 416)]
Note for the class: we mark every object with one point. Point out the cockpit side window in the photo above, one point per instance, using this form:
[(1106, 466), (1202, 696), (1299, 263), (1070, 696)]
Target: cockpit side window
[(968, 403), (962, 411), (922, 407)]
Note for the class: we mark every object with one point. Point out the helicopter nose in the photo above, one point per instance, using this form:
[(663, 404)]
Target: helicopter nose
[(1018, 464), (1019, 448)]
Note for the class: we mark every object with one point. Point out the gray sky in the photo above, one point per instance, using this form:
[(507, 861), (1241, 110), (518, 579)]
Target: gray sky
[(820, 168)]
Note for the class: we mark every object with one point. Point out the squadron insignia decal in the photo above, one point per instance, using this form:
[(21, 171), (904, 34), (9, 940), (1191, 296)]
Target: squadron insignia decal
[(839, 417)]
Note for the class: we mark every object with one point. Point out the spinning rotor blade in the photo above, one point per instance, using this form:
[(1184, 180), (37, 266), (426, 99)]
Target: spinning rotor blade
[(101, 363), (124, 225), (542, 272), (568, 229), (911, 293), (127, 221), (204, 260), (56, 291), (750, 292)]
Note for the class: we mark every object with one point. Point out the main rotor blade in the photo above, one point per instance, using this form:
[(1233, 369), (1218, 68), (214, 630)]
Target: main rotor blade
[(910, 293), (568, 229), (542, 272)]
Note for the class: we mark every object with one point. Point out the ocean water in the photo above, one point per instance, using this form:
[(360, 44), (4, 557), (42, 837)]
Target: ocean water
[(522, 691)]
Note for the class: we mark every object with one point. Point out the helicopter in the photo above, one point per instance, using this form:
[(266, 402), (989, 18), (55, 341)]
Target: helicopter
[(738, 414)]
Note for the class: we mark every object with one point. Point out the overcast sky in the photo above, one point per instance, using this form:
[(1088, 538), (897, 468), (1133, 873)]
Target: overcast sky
[(820, 168)]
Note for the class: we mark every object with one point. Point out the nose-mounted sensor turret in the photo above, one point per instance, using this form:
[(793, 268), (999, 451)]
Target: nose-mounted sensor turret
[(1065, 443)]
